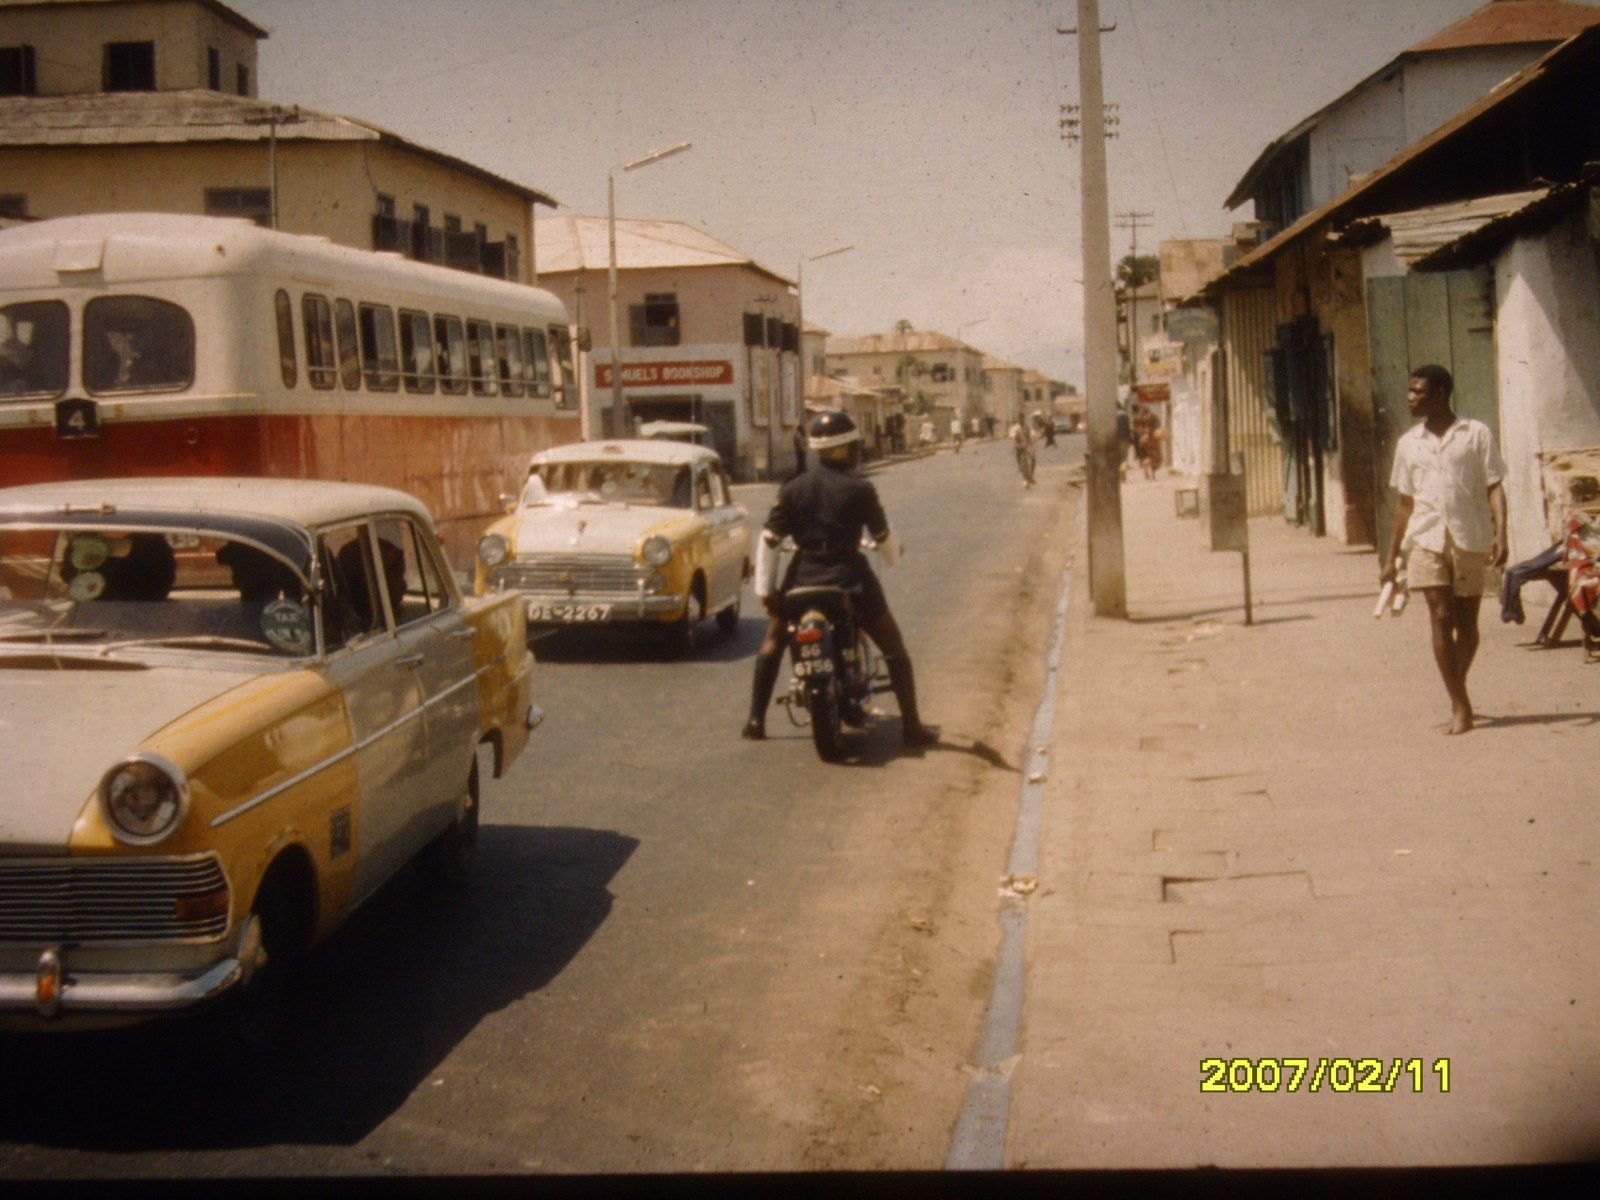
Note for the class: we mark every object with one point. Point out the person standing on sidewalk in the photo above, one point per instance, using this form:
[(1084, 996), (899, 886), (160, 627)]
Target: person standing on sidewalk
[(957, 432), (1451, 519)]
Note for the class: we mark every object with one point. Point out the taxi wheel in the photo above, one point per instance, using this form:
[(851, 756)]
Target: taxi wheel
[(728, 618), (446, 861), (682, 632), (246, 1027)]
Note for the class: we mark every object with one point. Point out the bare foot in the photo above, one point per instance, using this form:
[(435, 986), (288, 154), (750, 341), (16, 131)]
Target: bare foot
[(1460, 722)]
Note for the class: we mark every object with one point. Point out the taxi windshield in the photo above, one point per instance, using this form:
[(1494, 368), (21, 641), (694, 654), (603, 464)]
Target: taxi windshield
[(110, 591), (617, 482)]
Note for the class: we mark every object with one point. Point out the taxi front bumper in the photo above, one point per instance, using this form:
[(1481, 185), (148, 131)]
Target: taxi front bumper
[(55, 995)]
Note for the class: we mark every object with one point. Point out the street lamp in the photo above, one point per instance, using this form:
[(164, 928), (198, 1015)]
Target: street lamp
[(611, 270), (800, 297)]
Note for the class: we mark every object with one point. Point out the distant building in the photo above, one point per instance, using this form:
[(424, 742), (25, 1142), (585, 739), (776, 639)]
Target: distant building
[(941, 377), (151, 106), (1007, 392), (706, 334)]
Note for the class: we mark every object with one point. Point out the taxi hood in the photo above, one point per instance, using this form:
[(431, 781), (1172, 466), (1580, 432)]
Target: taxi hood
[(64, 725)]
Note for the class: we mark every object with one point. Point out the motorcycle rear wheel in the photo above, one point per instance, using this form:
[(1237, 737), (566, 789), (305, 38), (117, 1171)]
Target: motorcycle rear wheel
[(826, 731)]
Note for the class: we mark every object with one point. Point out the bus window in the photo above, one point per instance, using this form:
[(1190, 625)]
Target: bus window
[(564, 384), (508, 345), (137, 344), (321, 356), (379, 362), (452, 343), (33, 349), (286, 362), (480, 357), (344, 314), (416, 351), (536, 359)]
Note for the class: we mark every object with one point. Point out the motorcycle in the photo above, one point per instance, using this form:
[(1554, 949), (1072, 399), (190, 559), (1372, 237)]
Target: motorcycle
[(834, 668)]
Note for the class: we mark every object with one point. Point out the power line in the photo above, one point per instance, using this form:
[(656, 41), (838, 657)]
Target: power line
[(1161, 137)]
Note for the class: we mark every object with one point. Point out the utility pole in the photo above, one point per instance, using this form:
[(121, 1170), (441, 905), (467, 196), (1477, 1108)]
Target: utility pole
[(1107, 582), (1133, 222)]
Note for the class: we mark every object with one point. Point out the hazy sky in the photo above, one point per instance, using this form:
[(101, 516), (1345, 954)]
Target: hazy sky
[(924, 132)]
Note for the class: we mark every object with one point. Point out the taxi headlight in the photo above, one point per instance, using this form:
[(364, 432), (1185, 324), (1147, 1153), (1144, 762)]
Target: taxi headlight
[(656, 551), (492, 549), (144, 799)]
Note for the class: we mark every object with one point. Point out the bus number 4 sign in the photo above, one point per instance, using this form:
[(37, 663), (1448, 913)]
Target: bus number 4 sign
[(77, 419)]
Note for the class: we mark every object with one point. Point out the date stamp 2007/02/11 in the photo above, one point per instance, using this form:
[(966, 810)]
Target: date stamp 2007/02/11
[(1312, 1075)]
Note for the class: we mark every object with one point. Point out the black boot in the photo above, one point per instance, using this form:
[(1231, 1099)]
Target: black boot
[(766, 677), (901, 678)]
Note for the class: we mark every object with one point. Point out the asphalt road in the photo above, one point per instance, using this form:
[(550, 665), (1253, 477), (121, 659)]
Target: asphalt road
[(679, 950)]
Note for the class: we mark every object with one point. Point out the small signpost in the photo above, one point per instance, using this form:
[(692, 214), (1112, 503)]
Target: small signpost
[(1230, 524)]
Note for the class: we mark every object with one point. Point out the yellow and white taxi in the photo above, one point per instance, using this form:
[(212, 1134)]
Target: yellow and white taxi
[(629, 530), (230, 709)]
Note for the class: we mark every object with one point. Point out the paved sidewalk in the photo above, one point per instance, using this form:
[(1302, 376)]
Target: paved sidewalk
[(1259, 843)]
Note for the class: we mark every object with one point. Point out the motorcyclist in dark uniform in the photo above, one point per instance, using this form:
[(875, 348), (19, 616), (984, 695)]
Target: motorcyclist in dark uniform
[(823, 511)]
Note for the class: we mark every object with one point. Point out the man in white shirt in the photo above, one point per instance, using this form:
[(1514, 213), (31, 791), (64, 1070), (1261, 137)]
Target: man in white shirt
[(1451, 521)]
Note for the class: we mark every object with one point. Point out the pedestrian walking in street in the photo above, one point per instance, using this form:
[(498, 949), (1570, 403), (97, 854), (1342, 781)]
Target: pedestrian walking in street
[(1450, 521), (957, 432), (1022, 445), (926, 433)]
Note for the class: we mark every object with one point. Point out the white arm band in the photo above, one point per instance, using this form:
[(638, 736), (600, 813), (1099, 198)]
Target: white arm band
[(766, 568), (891, 549)]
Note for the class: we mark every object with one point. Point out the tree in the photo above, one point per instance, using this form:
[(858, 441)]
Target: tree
[(1137, 270)]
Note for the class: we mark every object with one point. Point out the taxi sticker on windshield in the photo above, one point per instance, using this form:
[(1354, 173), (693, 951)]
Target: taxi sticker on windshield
[(89, 554), (287, 625), (87, 585)]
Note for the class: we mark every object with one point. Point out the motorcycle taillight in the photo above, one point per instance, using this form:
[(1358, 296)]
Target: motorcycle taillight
[(808, 634)]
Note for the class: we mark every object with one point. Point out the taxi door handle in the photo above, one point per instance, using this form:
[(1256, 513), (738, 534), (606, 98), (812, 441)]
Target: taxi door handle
[(464, 635), (410, 660)]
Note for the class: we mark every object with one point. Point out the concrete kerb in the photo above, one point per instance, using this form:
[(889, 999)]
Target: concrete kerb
[(1258, 846)]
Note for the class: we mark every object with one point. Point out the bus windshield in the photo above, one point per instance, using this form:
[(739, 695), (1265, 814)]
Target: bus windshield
[(33, 349), (608, 482)]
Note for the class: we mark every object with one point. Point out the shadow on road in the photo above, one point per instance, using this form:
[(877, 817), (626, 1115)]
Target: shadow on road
[(598, 645), (380, 1006)]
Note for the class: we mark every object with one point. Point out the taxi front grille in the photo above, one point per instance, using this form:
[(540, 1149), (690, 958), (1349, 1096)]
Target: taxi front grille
[(571, 574), (112, 899)]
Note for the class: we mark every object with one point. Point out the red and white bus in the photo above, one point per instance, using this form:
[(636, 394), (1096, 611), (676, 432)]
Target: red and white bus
[(160, 344)]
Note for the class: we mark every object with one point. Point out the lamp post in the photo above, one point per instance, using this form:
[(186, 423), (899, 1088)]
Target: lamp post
[(800, 295), (611, 269)]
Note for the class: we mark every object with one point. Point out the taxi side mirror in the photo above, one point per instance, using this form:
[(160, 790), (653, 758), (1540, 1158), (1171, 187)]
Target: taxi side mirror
[(508, 502)]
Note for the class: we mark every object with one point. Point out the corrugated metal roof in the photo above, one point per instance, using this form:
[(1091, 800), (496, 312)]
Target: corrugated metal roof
[(578, 243), (200, 115), (993, 362), (1475, 245), (1510, 22), (1585, 43), (215, 6), (1418, 233)]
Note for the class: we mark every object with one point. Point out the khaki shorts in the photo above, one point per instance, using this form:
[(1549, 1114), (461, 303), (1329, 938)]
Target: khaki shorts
[(1459, 570)]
